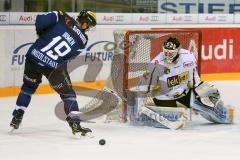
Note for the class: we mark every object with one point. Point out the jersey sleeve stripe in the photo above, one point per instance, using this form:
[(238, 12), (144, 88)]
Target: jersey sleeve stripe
[(56, 15), (83, 38)]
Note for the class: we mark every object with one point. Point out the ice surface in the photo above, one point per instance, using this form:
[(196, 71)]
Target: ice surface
[(43, 137)]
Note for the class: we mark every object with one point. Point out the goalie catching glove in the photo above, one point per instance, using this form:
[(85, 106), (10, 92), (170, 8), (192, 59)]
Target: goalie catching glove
[(207, 94)]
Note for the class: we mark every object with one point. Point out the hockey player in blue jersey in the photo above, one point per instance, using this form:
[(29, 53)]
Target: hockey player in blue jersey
[(60, 38)]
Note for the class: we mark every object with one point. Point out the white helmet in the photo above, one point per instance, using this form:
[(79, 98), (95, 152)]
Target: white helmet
[(171, 48)]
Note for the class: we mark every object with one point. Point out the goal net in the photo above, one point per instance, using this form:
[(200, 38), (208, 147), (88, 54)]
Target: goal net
[(134, 50)]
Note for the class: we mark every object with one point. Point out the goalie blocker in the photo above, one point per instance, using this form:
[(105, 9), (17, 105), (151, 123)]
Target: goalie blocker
[(205, 100)]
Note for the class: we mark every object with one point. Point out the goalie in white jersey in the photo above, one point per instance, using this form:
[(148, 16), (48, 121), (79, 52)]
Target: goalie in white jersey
[(172, 80)]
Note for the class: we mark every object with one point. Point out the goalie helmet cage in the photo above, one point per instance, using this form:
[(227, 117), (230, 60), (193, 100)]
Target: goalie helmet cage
[(134, 49)]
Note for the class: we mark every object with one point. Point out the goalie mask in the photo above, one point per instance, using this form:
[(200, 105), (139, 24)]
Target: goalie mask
[(171, 48)]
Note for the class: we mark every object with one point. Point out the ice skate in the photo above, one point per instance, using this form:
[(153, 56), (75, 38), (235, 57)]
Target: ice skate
[(17, 118), (74, 123)]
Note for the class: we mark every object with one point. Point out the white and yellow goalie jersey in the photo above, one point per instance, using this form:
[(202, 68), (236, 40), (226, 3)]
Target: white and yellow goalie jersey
[(169, 81)]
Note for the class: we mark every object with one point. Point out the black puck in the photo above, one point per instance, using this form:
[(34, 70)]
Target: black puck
[(102, 141)]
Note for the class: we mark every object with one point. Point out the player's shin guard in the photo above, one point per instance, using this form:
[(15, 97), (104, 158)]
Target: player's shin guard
[(70, 102), (220, 113), (22, 103), (24, 96), (70, 105)]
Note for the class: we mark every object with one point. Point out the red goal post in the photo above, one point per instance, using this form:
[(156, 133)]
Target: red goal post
[(138, 47)]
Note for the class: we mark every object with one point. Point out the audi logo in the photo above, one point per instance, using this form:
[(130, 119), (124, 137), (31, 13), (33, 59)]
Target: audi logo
[(3, 18)]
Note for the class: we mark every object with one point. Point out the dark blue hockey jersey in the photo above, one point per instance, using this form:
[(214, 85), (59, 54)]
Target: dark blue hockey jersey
[(59, 39)]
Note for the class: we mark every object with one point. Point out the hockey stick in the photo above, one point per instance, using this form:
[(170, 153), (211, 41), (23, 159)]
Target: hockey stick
[(105, 101)]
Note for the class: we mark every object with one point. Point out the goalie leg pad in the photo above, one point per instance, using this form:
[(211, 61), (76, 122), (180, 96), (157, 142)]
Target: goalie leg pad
[(217, 114), (160, 117), (170, 113), (142, 113)]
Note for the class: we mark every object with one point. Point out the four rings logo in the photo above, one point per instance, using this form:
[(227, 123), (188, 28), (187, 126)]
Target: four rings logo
[(3, 18), (120, 18), (154, 18)]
